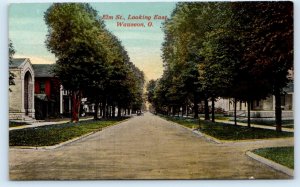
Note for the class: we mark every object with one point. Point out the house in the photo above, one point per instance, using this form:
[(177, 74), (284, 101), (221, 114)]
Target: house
[(37, 93), (21, 94), (46, 92), (264, 108)]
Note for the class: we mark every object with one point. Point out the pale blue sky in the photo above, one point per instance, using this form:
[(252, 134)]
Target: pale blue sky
[(27, 30)]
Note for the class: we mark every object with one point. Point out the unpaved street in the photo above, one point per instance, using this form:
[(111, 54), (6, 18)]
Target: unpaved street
[(144, 147)]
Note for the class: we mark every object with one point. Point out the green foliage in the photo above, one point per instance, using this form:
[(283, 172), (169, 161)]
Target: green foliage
[(241, 50), (73, 39), (90, 59), (11, 52), (150, 90), (281, 155), (17, 124), (54, 134)]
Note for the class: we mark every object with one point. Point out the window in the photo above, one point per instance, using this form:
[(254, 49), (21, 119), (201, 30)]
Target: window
[(65, 92), (257, 102), (42, 87)]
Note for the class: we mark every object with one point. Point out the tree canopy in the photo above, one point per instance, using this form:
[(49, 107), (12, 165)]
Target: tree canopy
[(91, 61), (240, 50)]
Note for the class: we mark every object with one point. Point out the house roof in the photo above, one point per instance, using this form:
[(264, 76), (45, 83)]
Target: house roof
[(43, 70), (17, 62)]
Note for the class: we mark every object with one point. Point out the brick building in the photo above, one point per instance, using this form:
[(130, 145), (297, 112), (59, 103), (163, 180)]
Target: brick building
[(46, 92)]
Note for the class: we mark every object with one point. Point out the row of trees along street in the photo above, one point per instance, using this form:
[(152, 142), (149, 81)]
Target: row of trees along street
[(239, 50), (91, 61)]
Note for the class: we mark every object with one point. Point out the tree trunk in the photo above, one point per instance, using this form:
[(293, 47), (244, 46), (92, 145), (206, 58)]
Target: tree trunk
[(196, 112), (101, 109), (96, 111), (107, 111), (206, 109), (104, 109), (76, 99), (173, 111), (128, 111), (110, 111), (113, 111), (213, 109), (249, 108), (119, 110), (235, 123), (186, 111), (278, 112)]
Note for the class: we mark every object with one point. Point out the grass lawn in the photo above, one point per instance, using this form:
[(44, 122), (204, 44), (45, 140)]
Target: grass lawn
[(54, 134), (225, 131), (217, 116), (281, 155), (16, 124)]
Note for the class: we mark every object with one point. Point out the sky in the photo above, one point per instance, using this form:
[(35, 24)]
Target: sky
[(27, 31)]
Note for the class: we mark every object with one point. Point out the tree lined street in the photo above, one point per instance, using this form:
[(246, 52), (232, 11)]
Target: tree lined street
[(238, 51), (144, 147)]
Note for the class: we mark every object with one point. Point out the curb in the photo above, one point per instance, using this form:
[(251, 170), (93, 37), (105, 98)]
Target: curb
[(66, 142), (210, 138), (271, 164)]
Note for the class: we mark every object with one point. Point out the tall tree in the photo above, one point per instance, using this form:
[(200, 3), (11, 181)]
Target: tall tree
[(73, 39), (268, 30)]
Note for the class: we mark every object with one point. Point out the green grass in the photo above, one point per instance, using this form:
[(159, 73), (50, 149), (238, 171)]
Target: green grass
[(16, 124), (225, 131), (217, 116), (54, 134), (281, 155)]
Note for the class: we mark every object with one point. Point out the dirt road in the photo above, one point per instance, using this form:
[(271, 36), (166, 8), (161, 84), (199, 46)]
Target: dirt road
[(144, 147)]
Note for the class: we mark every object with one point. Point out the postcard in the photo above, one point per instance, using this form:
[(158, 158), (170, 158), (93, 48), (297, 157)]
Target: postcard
[(151, 90)]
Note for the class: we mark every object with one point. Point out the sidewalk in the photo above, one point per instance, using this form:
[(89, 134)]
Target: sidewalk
[(38, 124), (255, 125)]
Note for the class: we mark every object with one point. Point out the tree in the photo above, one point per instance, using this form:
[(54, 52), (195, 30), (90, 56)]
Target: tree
[(242, 50), (219, 54), (150, 90), (11, 51), (268, 34), (73, 40), (181, 38)]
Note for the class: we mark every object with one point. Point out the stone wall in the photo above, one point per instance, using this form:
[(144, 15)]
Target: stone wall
[(15, 95)]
